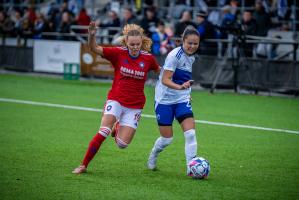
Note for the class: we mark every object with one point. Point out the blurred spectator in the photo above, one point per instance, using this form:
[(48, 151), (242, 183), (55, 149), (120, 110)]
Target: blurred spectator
[(161, 40), (29, 13), (73, 6), (6, 24), (228, 21), (113, 22), (27, 24), (262, 18), (186, 20), (65, 26), (59, 15), (49, 27), (234, 5), (248, 23), (249, 27), (207, 31), (228, 29), (65, 7), (39, 26), (202, 5), (53, 17), (215, 17), (179, 8), (18, 21), (149, 21), (83, 19), (128, 17), (282, 8)]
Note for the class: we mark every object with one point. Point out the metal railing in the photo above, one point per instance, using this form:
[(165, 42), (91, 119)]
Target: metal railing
[(103, 37)]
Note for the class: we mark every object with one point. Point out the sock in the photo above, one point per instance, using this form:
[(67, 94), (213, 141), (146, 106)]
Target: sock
[(190, 145), (160, 144), (95, 144)]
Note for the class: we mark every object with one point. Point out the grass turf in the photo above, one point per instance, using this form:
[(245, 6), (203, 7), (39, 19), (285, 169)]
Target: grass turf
[(41, 145)]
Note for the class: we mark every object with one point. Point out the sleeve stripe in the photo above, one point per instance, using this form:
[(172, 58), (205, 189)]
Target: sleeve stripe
[(179, 53)]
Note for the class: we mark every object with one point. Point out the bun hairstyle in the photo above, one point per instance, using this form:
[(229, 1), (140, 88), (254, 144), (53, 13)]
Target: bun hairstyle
[(135, 30), (190, 30)]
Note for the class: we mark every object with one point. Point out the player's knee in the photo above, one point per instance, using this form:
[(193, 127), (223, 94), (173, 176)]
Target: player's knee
[(120, 143), (104, 131)]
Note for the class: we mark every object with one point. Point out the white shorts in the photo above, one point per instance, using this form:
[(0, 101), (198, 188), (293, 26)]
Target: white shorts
[(126, 116)]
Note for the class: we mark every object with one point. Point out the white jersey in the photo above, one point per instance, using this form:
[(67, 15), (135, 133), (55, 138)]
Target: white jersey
[(181, 64)]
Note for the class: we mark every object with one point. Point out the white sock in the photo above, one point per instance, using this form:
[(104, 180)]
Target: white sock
[(160, 144), (190, 144)]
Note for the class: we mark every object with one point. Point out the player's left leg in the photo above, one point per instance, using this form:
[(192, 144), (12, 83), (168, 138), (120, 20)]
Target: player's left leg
[(165, 116), (126, 127), (124, 136), (184, 115), (190, 138)]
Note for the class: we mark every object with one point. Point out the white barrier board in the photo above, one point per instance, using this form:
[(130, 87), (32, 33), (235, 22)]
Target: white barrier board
[(50, 55)]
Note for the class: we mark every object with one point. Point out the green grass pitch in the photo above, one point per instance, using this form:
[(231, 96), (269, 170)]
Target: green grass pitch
[(40, 146)]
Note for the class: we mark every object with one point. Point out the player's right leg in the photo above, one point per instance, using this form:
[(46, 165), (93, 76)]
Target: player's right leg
[(111, 114), (165, 116), (161, 143)]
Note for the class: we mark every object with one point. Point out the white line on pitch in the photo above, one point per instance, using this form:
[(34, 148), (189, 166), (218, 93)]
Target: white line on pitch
[(144, 115)]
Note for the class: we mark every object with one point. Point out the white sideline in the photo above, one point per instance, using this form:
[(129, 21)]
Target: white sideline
[(144, 115)]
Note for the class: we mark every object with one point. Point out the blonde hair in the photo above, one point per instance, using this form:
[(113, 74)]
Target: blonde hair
[(135, 30)]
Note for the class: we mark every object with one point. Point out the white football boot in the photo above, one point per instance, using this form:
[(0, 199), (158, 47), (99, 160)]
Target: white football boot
[(152, 161)]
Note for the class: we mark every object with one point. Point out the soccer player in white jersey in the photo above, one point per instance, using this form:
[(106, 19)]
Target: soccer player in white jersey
[(172, 97)]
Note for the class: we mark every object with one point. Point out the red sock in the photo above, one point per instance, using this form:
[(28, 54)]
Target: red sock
[(93, 148)]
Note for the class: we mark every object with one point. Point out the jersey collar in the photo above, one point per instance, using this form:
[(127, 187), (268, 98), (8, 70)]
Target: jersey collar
[(133, 57)]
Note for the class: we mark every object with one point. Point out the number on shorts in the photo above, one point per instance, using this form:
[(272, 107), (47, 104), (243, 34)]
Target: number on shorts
[(137, 116)]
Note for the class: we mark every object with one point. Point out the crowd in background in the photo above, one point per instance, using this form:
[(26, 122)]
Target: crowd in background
[(160, 24)]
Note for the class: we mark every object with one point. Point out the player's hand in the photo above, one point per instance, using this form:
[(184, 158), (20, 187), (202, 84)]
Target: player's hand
[(92, 28), (187, 84)]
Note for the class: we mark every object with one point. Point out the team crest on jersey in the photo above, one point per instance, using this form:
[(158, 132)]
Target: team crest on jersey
[(126, 61), (141, 64)]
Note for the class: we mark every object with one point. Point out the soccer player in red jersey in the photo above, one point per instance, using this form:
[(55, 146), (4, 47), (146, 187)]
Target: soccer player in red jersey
[(126, 98)]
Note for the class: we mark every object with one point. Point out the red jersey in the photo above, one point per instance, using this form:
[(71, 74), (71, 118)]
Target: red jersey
[(129, 75)]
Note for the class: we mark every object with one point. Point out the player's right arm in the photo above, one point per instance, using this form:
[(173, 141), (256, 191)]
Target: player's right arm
[(92, 39), (167, 80), (170, 66)]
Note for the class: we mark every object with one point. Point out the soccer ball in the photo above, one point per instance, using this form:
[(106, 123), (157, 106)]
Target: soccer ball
[(199, 168)]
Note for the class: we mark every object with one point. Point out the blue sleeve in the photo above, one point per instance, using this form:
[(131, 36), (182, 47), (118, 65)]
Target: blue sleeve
[(156, 44), (201, 30)]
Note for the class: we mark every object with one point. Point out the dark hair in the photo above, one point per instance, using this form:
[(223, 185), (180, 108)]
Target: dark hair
[(249, 11), (151, 9), (190, 30), (160, 22), (128, 9)]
